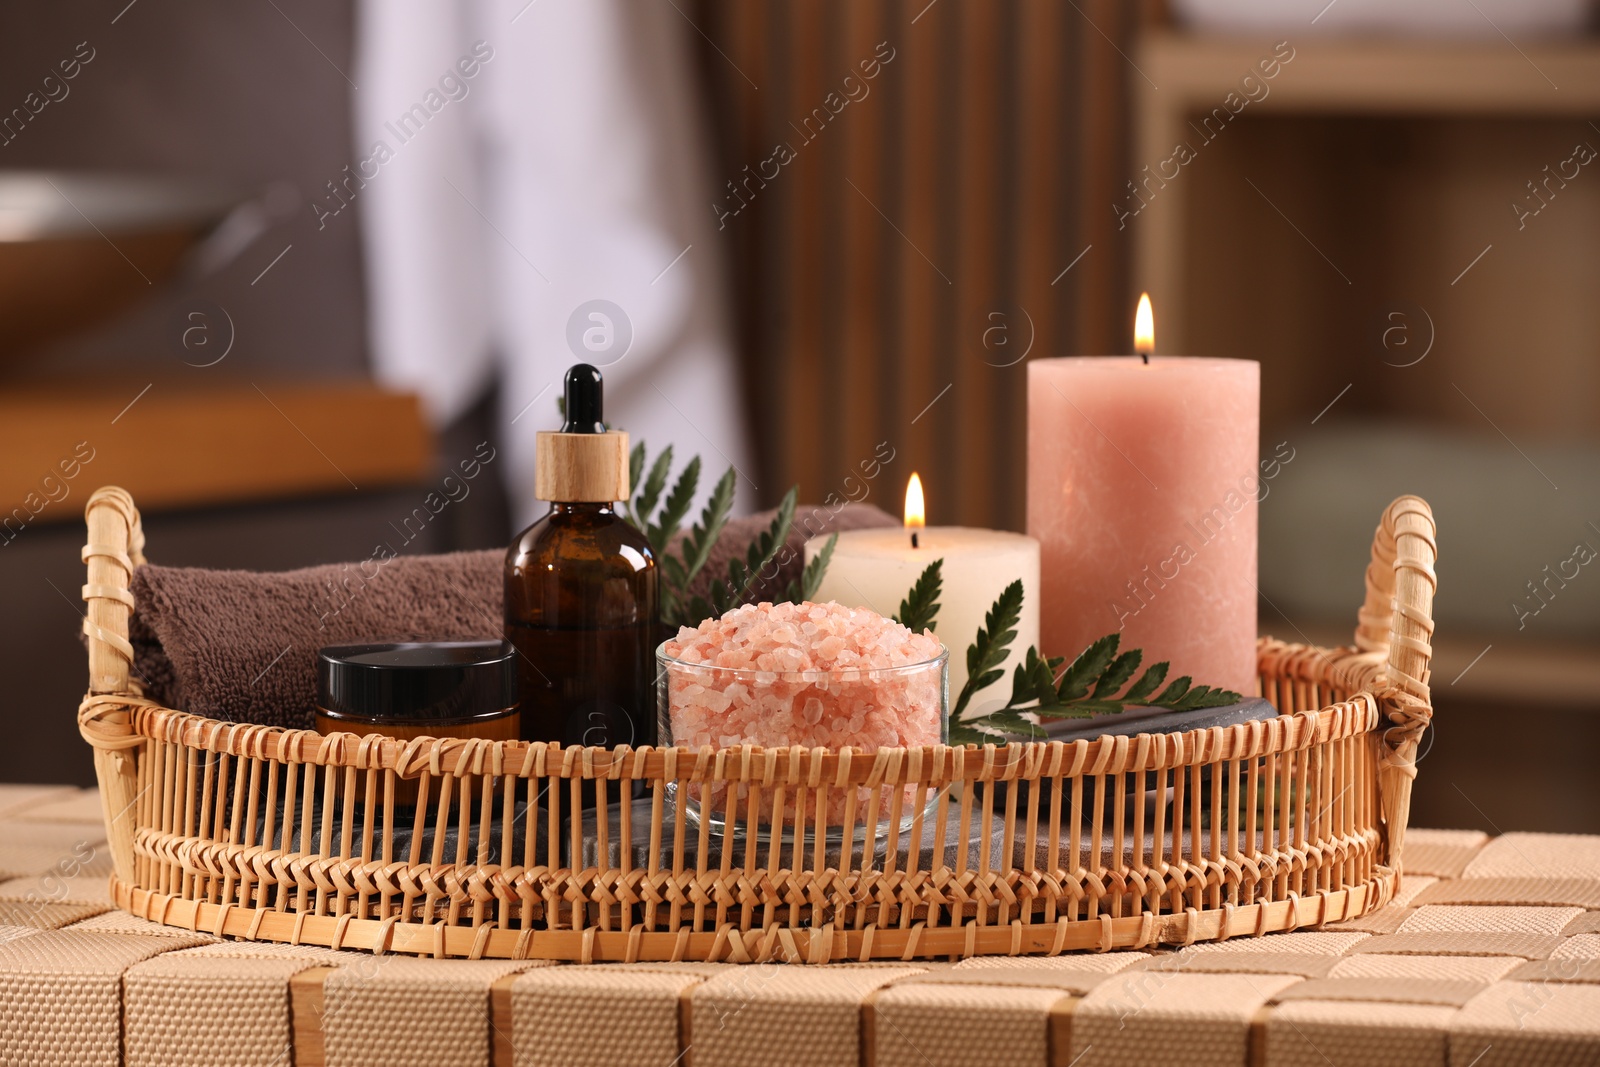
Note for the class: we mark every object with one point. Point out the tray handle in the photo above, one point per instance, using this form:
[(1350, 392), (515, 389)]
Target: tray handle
[(1396, 625), (105, 718), (115, 547)]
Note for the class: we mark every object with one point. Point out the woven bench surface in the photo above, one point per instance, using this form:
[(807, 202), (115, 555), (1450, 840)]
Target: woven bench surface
[(1490, 955)]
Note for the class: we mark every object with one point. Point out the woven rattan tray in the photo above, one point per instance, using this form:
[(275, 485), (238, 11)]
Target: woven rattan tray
[(286, 835)]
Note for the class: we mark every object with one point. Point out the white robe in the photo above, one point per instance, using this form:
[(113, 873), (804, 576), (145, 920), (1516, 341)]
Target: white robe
[(567, 168)]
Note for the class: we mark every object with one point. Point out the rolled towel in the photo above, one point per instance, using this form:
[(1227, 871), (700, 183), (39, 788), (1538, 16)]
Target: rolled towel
[(241, 646)]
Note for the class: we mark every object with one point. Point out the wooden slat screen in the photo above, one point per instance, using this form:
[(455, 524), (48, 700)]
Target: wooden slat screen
[(943, 201)]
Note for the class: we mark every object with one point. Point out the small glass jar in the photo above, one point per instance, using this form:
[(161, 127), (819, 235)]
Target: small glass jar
[(863, 708), (419, 689)]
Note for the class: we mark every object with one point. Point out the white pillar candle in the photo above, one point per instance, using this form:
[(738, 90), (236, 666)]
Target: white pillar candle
[(876, 569)]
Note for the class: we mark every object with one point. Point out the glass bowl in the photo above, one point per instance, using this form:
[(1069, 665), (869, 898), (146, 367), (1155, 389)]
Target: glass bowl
[(860, 708)]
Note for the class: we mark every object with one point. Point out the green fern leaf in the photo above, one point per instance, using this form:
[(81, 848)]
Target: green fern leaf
[(992, 644), (677, 505), (811, 577), (1147, 683), (703, 536), (921, 605), (654, 483), (1172, 694), (1087, 668), (635, 466), (1117, 675)]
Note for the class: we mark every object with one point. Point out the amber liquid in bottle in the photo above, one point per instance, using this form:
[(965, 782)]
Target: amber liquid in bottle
[(581, 610)]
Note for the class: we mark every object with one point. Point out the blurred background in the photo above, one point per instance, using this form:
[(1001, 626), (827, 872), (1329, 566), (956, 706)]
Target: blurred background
[(215, 292)]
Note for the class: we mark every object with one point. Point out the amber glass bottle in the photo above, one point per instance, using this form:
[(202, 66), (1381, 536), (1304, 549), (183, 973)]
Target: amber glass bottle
[(581, 590)]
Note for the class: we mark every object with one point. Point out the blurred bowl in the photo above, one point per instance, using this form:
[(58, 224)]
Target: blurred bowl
[(1458, 19), (78, 248)]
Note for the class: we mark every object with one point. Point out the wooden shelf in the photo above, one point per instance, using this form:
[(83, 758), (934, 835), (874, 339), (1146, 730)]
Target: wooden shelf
[(184, 446), (1187, 76), (1377, 76)]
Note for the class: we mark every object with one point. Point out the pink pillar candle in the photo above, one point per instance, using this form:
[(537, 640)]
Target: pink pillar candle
[(1142, 492)]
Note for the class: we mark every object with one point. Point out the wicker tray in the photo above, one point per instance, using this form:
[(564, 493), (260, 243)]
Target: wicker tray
[(285, 835)]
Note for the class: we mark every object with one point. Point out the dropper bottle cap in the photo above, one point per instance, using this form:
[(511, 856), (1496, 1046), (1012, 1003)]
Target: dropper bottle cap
[(585, 400), (583, 462)]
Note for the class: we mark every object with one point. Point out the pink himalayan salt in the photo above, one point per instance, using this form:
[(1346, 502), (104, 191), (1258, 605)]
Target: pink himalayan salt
[(809, 675)]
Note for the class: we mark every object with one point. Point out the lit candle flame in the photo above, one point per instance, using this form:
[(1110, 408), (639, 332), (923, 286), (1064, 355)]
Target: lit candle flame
[(1144, 328), (916, 510)]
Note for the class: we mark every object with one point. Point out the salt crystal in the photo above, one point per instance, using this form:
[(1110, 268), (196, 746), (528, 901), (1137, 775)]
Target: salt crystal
[(808, 675)]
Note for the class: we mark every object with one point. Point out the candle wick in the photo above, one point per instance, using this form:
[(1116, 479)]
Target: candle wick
[(914, 540), (1146, 357)]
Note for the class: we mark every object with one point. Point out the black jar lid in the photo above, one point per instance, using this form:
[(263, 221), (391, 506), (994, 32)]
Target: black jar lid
[(418, 682)]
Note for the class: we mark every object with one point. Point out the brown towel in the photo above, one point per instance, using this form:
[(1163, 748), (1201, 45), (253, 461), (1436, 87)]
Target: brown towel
[(241, 645)]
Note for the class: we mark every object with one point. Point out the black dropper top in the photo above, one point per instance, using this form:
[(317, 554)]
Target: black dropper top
[(585, 400)]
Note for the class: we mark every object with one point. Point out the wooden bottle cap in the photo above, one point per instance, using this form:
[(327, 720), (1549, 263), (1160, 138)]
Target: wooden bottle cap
[(581, 467)]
